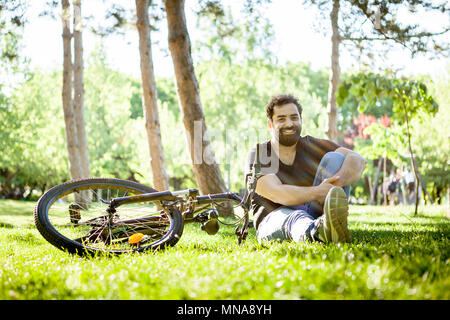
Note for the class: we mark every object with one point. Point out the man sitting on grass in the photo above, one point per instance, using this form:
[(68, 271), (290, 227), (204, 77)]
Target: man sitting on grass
[(305, 182)]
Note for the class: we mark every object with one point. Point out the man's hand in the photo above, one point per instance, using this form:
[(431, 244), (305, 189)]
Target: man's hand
[(336, 180), (323, 188), (352, 168)]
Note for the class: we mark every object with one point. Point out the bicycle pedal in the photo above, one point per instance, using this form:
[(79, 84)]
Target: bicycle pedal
[(211, 227), (74, 213)]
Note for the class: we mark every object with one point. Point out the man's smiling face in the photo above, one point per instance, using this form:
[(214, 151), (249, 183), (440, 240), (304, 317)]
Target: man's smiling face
[(286, 124)]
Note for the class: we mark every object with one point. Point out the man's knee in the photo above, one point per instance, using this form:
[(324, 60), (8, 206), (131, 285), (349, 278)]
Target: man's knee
[(330, 164), (332, 157)]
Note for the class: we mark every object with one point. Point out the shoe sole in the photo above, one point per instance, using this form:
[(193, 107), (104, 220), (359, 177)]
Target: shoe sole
[(336, 208)]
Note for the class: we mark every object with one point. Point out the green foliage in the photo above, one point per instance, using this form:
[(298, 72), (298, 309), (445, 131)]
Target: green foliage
[(233, 37), (430, 137), (136, 109), (112, 121), (412, 100), (234, 108), (349, 104), (33, 133), (11, 28), (408, 96), (237, 74), (384, 142), (173, 136)]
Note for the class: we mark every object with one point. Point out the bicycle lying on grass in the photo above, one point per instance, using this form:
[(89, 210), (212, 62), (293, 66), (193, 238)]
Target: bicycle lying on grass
[(116, 216)]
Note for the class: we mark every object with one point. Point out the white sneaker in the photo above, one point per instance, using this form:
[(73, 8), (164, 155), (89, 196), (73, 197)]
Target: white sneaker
[(332, 225)]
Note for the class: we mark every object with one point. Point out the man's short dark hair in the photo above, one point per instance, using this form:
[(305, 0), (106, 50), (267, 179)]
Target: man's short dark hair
[(280, 100)]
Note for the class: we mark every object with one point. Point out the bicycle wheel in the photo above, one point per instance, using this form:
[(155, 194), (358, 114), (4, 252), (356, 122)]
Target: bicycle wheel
[(72, 216)]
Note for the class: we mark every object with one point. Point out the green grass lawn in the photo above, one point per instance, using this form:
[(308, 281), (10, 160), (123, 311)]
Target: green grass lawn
[(393, 256)]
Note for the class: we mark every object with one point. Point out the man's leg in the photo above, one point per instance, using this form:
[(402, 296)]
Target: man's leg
[(328, 167), (299, 223), (272, 226), (300, 226), (285, 223), (330, 223)]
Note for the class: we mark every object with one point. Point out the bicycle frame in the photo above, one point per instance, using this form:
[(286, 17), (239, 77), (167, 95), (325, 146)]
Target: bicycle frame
[(188, 206), (174, 196), (193, 204)]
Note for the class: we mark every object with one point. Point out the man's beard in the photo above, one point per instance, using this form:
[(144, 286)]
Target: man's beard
[(289, 139)]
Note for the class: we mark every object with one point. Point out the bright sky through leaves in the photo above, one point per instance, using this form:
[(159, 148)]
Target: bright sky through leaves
[(296, 40)]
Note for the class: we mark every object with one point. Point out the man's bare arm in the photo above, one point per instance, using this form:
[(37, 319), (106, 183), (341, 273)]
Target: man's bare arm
[(270, 187), (352, 168)]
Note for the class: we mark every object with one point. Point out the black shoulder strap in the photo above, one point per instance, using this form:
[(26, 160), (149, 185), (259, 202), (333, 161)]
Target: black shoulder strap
[(256, 163)]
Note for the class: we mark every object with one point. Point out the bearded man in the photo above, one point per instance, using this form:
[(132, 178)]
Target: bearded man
[(304, 184)]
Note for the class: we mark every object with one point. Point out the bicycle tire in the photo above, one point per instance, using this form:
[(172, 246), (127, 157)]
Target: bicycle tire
[(50, 232)]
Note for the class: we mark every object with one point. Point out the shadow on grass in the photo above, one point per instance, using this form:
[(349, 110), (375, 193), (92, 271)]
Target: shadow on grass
[(26, 238), (16, 208), (400, 215), (403, 247), (6, 225), (387, 235), (442, 226), (393, 237)]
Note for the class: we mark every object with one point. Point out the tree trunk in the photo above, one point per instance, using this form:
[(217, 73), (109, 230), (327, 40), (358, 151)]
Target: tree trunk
[(373, 195), (71, 129), (206, 170), (422, 183), (448, 202), (331, 130), (78, 100), (4, 188), (403, 192), (369, 183), (160, 178), (413, 161), (384, 183), (438, 195)]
